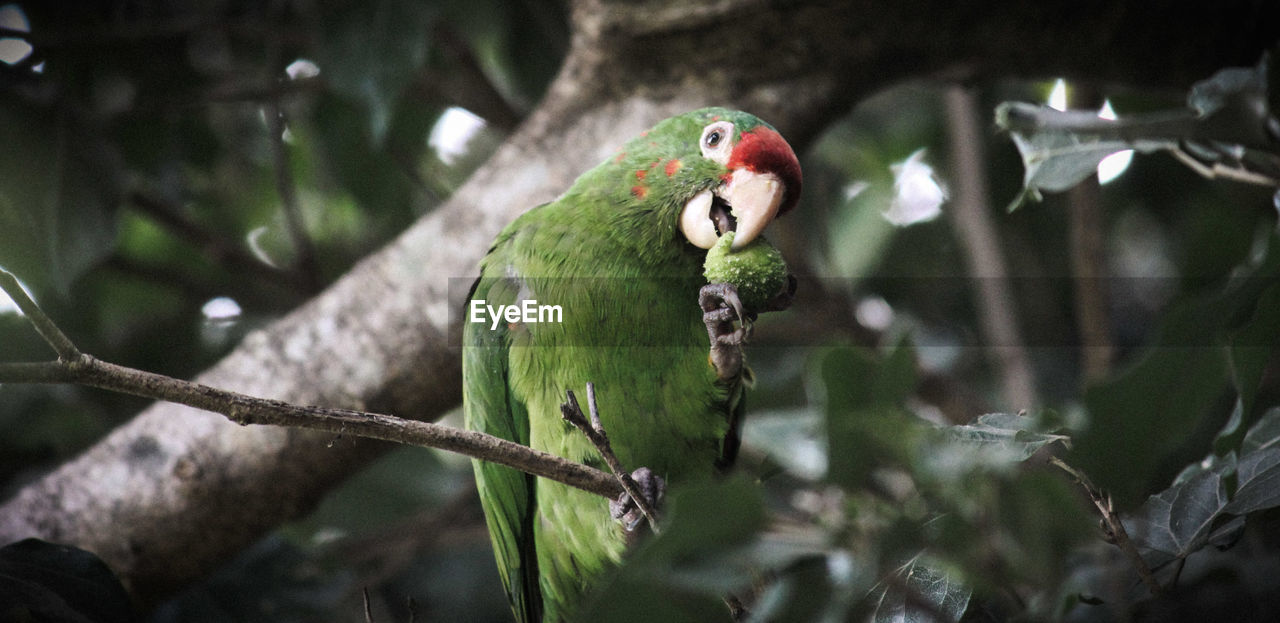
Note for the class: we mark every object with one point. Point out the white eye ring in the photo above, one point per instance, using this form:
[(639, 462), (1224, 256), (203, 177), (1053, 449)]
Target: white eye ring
[(717, 141)]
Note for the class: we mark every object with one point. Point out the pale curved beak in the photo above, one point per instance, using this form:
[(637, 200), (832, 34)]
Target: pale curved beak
[(753, 200), (696, 223)]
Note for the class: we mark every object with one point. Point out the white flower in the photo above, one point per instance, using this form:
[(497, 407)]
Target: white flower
[(917, 192)]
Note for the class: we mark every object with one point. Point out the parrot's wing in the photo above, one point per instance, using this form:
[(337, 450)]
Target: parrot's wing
[(506, 493)]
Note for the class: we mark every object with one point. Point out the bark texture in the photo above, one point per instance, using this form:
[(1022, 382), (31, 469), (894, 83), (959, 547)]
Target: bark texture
[(174, 492)]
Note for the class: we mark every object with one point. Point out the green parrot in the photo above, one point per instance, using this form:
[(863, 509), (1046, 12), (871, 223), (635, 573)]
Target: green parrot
[(616, 264)]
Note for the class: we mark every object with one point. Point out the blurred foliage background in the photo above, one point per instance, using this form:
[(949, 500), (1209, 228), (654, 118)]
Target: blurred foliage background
[(171, 179)]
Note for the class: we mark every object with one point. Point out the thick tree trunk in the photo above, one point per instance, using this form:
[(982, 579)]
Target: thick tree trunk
[(174, 492)]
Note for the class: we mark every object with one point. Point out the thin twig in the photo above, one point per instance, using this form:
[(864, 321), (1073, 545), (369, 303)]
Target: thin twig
[(289, 206), (595, 412), (1113, 525), (44, 325), (217, 248), (82, 369), (596, 434)]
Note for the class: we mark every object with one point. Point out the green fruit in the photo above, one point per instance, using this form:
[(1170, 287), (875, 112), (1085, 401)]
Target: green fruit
[(756, 270)]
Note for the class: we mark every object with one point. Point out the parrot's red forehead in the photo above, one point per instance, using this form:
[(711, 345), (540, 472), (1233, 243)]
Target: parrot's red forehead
[(763, 150)]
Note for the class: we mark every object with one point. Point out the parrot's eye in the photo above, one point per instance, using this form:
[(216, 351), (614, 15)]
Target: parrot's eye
[(717, 141)]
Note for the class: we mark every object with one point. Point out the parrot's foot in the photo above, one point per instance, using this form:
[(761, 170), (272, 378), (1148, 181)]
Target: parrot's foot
[(721, 308), (625, 510)]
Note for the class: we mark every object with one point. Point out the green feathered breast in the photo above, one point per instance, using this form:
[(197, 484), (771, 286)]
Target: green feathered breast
[(610, 254)]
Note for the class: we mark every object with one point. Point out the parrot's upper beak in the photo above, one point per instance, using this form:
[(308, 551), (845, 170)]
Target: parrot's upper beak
[(746, 203), (753, 200)]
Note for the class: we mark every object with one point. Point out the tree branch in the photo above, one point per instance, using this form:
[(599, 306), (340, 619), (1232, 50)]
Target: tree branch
[(81, 369), (996, 304), (1114, 527), (1087, 244), (595, 433)]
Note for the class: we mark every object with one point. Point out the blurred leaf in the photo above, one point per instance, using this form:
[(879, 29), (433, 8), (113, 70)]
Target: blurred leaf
[(922, 595), (376, 180), (1041, 523), (1223, 132), (801, 594), (1217, 92), (692, 525), (1060, 149), (858, 234), (792, 437), (682, 574), (1235, 105), (867, 426), (59, 189), (1004, 437), (371, 52), (41, 581), (1138, 417), (1252, 347), (519, 46)]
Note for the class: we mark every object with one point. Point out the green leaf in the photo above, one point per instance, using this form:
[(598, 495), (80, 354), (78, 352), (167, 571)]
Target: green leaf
[(1189, 514), (792, 437), (1060, 149), (371, 52), (1217, 92), (1139, 417), (1252, 347), (925, 584), (867, 425), (682, 574), (1258, 487), (59, 189), (1235, 106), (1003, 437), (1136, 420), (1178, 520), (1223, 131), (1264, 434), (1258, 470), (800, 595)]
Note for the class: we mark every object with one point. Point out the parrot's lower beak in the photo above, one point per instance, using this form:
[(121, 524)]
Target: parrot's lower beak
[(745, 204)]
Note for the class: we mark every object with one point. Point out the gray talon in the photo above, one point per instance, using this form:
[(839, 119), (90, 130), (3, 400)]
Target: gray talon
[(625, 510)]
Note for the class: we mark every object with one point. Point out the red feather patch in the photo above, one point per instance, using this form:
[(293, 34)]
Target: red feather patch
[(765, 151)]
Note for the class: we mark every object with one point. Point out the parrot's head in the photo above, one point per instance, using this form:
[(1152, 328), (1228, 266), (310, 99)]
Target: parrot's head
[(714, 170)]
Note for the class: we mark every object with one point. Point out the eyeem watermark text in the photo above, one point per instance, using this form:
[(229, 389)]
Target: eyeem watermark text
[(528, 312)]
